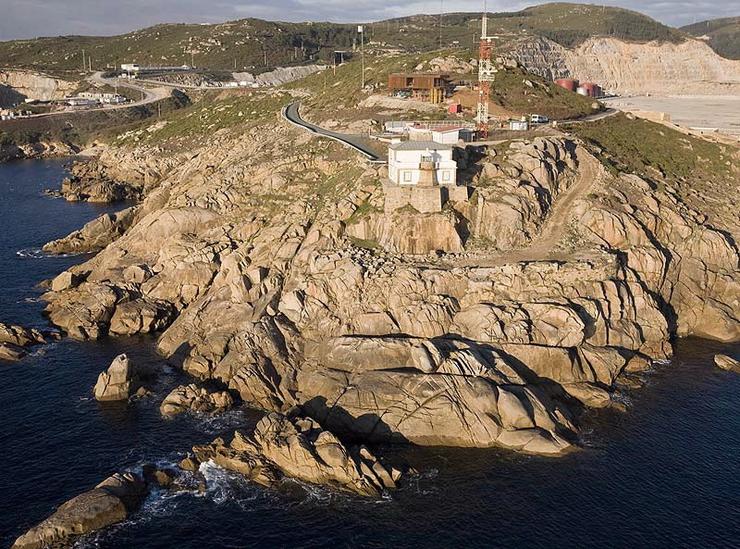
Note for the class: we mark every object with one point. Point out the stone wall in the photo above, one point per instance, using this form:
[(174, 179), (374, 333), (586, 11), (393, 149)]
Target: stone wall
[(423, 199)]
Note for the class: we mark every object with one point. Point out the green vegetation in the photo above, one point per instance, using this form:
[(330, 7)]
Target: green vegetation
[(80, 128), (364, 243), (210, 114), (571, 24), (724, 35), (524, 93), (247, 44), (363, 210), (565, 23), (257, 46), (642, 147)]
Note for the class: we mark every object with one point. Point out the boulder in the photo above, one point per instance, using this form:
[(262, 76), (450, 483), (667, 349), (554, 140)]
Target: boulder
[(727, 363), (116, 383), (14, 341), (108, 503), (65, 281), (196, 399), (299, 448), (11, 353)]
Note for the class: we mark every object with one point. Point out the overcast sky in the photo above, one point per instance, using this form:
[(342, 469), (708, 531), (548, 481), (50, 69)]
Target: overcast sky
[(30, 18)]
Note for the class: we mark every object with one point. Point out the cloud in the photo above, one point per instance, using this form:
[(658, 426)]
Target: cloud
[(31, 18)]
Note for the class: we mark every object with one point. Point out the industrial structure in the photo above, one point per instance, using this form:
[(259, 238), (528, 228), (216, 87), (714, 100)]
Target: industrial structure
[(432, 87), (589, 89), (486, 75)]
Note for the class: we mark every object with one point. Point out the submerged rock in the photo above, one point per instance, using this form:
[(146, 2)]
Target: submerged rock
[(299, 448), (116, 383), (727, 363), (196, 399), (109, 502)]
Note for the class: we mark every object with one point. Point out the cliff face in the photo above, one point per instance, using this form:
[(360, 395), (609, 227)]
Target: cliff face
[(33, 85), (565, 281), (690, 67)]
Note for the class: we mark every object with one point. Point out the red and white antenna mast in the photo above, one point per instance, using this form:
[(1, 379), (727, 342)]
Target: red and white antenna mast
[(486, 72)]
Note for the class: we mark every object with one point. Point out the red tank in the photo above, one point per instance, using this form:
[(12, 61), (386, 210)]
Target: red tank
[(592, 90), (569, 84)]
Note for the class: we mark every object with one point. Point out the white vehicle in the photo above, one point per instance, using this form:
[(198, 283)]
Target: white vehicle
[(539, 119)]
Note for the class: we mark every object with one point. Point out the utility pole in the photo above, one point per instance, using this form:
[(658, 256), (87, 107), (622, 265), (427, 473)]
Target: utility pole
[(361, 30), (441, 11)]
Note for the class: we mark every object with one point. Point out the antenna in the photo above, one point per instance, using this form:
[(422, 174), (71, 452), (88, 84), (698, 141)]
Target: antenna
[(484, 21)]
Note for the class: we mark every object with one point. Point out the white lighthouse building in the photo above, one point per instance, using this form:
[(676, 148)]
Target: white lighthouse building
[(423, 163)]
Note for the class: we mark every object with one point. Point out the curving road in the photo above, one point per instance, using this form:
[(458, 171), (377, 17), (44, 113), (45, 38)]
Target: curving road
[(291, 114), (149, 95)]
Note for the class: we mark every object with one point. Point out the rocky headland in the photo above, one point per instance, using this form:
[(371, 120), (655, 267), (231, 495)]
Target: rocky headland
[(269, 266), (272, 272)]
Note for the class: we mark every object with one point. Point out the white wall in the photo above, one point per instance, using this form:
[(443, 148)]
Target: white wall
[(447, 138), (403, 166)]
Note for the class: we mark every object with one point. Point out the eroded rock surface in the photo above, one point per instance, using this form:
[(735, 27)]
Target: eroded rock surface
[(299, 448), (117, 382), (108, 503), (15, 340), (727, 363), (555, 280), (197, 399)]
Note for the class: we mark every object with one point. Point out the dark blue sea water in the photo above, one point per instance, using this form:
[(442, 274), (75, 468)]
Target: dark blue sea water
[(664, 474)]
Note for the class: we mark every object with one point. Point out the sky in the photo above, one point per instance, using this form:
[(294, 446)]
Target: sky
[(31, 18)]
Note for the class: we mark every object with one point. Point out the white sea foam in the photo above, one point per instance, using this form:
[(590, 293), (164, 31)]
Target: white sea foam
[(38, 253)]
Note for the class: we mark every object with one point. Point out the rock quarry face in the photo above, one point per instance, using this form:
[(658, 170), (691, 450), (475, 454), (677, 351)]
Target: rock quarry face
[(690, 67), (109, 502), (268, 265), (34, 85), (299, 448)]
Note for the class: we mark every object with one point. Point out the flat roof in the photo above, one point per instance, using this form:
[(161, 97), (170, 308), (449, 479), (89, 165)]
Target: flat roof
[(420, 146)]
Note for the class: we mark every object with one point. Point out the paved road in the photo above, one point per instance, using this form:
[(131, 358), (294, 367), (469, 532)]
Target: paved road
[(606, 113), (149, 96), (292, 114)]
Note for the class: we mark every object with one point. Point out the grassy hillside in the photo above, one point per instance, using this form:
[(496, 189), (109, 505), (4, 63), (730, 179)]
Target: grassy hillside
[(646, 148), (81, 128), (256, 45), (248, 44), (567, 24), (723, 35)]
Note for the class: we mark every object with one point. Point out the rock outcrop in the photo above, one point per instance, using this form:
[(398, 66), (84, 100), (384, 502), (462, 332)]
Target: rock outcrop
[(727, 363), (117, 382), (298, 448), (15, 340), (95, 235), (563, 278), (108, 503), (196, 399)]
